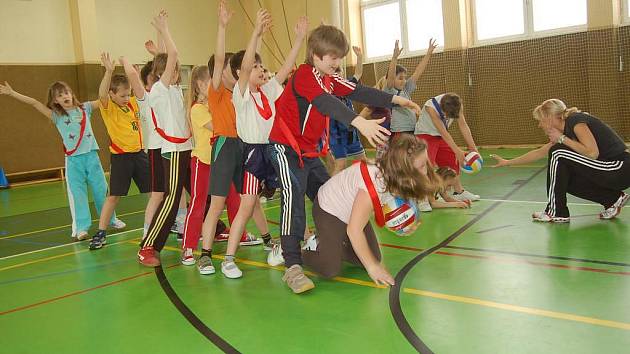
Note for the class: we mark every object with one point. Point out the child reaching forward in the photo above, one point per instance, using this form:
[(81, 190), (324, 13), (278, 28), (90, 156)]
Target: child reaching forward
[(448, 181)]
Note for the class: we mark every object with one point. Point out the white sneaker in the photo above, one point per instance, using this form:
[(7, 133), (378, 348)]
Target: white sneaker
[(230, 270), (542, 216), (117, 224), (615, 209), (250, 240), (310, 244), (466, 195), (82, 235), (188, 258), (274, 258), (424, 206)]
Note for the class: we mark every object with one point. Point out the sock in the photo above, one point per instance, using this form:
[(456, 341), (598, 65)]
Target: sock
[(181, 215), (205, 252), (229, 258), (101, 233), (145, 229), (266, 237)]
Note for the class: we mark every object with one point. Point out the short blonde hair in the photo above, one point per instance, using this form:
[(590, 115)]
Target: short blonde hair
[(553, 107), (324, 40)]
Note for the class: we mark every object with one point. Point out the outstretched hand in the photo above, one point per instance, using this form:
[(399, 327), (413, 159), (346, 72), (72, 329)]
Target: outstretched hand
[(225, 14), (500, 160), (6, 89), (357, 51), (301, 27), (432, 46), (372, 130), (397, 50), (160, 21), (107, 62)]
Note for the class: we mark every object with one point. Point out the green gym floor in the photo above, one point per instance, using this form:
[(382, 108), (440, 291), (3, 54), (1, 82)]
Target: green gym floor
[(481, 280)]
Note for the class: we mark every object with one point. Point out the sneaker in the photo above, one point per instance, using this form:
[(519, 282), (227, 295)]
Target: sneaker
[(98, 240), (178, 227), (615, 209), (542, 216), (466, 195), (222, 237), (230, 270), (250, 240), (296, 280), (148, 257), (82, 235), (311, 243), (188, 258), (424, 206), (623, 199), (117, 224), (274, 258), (205, 265)]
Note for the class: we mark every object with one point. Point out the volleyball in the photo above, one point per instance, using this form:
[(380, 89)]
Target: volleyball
[(472, 163), (400, 216)]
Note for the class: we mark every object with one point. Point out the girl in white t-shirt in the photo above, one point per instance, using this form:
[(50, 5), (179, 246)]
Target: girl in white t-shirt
[(343, 207)]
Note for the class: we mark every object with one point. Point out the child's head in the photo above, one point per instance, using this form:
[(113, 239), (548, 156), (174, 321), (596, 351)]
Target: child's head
[(447, 175), (199, 81), (61, 98), (159, 65), (406, 170), (326, 47), (226, 76), (146, 75), (257, 75), (267, 74), (120, 89), (401, 77), (451, 105)]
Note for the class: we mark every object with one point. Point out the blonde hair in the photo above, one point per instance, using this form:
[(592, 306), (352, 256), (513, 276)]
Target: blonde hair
[(401, 177), (198, 73), (554, 107), (56, 88), (445, 173), (324, 40)]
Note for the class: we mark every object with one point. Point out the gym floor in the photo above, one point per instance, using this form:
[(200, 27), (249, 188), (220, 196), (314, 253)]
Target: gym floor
[(479, 280)]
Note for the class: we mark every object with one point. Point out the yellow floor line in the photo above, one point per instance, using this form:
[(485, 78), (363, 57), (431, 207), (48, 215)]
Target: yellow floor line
[(454, 298), (95, 220), (527, 310), (59, 256)]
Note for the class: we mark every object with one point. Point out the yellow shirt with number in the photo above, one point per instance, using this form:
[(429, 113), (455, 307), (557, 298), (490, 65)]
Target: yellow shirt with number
[(199, 117), (123, 126)]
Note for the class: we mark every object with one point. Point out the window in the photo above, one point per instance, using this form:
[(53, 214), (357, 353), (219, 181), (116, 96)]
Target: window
[(527, 18), (412, 22)]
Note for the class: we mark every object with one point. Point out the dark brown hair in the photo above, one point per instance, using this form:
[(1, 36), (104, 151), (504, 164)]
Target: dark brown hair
[(237, 60), (451, 104), (159, 65), (146, 71), (324, 40), (401, 177), (226, 61), (56, 88), (399, 69), (118, 81)]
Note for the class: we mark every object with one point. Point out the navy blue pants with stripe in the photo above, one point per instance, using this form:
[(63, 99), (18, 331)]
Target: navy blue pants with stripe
[(598, 181), (295, 182), (176, 167)]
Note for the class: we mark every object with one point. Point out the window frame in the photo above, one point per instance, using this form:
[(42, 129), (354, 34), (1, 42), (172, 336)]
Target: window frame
[(404, 42), (625, 17), (529, 33)]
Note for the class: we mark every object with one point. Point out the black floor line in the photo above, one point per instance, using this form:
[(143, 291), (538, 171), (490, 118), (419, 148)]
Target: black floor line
[(190, 316), (394, 293)]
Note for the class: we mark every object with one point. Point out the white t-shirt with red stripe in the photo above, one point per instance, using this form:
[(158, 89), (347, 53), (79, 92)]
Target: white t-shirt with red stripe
[(152, 139), (168, 107), (251, 126)]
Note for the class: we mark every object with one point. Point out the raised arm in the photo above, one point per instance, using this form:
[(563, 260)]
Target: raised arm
[(40, 107), (424, 62), (361, 210), (301, 28), (391, 71), (103, 89), (219, 53), (161, 24), (358, 70), (134, 78), (263, 21)]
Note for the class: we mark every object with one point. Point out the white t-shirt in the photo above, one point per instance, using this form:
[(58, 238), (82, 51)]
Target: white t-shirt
[(168, 106), (251, 127), (337, 195), (151, 138), (425, 124)]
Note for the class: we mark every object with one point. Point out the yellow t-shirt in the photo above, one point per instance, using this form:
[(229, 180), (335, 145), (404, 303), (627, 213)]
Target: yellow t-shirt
[(123, 126), (200, 116)]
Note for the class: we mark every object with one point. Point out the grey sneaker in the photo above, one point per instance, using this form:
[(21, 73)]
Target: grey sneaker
[(296, 280), (231, 270), (204, 264)]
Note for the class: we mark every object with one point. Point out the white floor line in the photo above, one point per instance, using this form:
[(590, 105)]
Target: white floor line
[(65, 245), (537, 202)]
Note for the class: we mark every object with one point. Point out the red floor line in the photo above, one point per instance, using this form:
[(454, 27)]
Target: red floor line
[(506, 260), (79, 292)]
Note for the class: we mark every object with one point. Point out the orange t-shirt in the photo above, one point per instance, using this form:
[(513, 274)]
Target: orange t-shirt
[(222, 109)]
